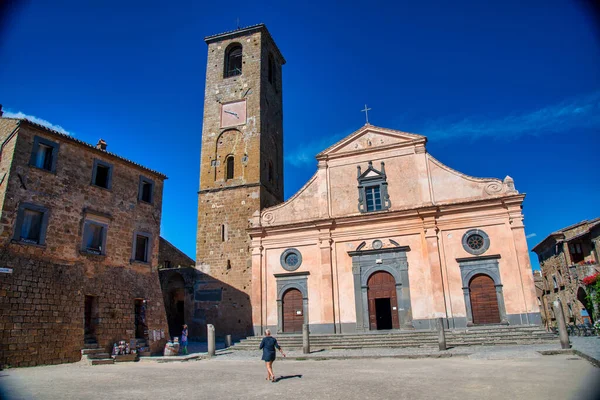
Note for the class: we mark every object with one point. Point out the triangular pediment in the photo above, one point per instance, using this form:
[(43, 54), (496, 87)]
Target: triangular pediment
[(371, 137), (371, 173)]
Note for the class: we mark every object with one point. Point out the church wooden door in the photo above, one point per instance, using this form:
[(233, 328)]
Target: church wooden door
[(383, 302), (484, 303), (293, 313)]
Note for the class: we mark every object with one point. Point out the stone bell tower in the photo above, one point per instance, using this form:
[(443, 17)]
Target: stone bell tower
[(241, 168)]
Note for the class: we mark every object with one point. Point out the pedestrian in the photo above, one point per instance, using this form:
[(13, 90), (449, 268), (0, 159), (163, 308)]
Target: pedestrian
[(268, 346), (184, 339)]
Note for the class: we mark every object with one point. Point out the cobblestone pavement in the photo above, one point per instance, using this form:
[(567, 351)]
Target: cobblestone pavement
[(561, 376)]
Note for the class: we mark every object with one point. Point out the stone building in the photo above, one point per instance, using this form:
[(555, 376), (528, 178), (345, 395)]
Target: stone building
[(384, 236), (79, 240), (399, 243), (178, 278), (566, 257), (241, 169)]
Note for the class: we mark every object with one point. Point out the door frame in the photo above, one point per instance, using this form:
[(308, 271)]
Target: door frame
[(285, 282), (373, 312), (487, 265), (392, 260)]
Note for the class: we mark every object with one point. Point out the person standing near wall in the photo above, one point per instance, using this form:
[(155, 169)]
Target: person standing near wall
[(184, 339)]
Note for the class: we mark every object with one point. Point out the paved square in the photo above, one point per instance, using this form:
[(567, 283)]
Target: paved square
[(543, 377)]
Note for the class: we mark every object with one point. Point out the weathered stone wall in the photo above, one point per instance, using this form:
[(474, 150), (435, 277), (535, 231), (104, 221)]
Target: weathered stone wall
[(42, 300), (225, 205), (8, 140), (205, 301), (172, 256), (70, 198), (227, 261), (42, 305), (556, 261)]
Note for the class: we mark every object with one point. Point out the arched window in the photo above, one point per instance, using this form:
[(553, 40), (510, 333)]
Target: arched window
[(233, 60), (229, 169), (272, 70)]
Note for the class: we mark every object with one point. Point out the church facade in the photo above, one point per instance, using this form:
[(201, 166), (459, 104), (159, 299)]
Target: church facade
[(384, 236)]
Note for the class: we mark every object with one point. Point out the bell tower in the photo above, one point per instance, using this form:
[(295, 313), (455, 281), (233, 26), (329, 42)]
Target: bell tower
[(241, 167)]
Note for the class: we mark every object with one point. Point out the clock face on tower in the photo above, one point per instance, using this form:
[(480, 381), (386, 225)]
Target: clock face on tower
[(233, 114)]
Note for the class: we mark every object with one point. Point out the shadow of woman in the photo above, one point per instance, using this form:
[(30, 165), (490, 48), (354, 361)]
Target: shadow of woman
[(287, 377)]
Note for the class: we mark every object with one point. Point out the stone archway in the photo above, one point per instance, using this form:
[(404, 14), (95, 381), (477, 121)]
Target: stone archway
[(471, 268), (383, 301), (584, 302), (175, 304), (294, 284), (392, 261)]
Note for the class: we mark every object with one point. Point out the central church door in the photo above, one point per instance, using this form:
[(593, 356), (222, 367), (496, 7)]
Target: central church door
[(484, 303), (383, 303), (293, 313)]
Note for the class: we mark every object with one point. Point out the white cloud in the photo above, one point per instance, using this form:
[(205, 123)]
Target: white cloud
[(582, 112), (47, 124), (531, 235), (305, 155)]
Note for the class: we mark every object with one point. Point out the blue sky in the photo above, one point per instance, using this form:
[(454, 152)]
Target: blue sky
[(499, 88)]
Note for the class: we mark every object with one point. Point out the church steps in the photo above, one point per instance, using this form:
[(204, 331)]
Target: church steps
[(490, 335)]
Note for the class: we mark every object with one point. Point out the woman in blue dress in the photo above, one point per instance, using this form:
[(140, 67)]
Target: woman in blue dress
[(268, 346)]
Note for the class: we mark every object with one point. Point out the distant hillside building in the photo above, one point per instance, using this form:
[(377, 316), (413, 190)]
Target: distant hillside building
[(79, 240), (566, 257)]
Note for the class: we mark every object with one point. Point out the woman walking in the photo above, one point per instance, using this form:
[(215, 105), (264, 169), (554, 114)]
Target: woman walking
[(268, 346)]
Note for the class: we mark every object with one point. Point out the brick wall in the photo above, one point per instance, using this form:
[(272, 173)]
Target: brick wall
[(42, 300), (43, 308)]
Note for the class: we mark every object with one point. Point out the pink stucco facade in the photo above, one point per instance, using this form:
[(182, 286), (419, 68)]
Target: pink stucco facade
[(419, 239)]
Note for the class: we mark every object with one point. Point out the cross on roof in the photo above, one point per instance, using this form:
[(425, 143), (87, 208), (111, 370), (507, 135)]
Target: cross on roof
[(366, 111)]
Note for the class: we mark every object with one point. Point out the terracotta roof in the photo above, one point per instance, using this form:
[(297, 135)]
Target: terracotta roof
[(90, 146), (559, 235), (243, 31)]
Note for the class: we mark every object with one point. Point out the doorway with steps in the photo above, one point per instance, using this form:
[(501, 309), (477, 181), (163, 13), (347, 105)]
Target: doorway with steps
[(90, 319)]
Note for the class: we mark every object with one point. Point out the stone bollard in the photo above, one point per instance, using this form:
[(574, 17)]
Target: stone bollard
[(211, 339), (305, 339), (562, 325), (441, 334), (228, 341)]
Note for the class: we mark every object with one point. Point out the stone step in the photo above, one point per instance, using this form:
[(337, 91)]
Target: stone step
[(401, 341), (97, 356), (429, 336), (92, 351), (103, 361), (479, 331), (126, 357), (91, 345)]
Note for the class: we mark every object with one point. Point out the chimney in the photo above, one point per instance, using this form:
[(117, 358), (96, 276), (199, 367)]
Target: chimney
[(1, 112), (101, 145)]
